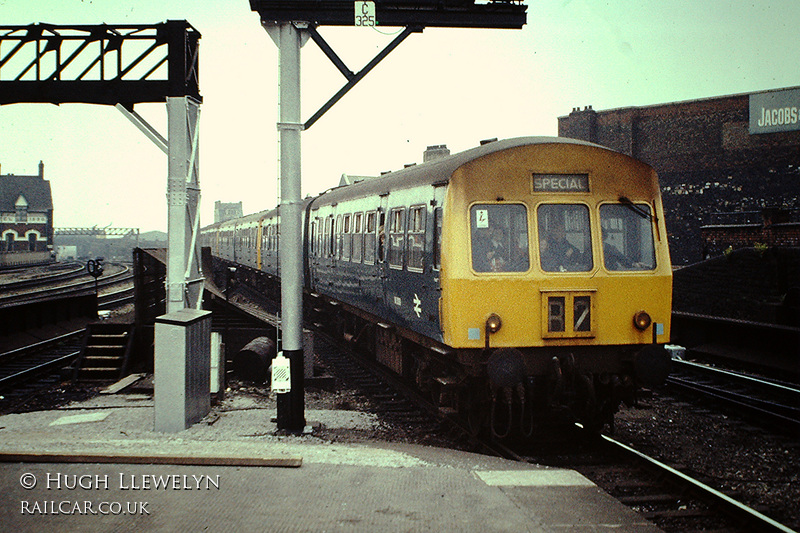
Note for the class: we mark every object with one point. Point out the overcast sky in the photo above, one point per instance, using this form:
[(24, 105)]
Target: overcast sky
[(442, 86)]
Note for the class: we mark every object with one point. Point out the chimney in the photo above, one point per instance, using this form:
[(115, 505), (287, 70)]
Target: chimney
[(41, 169), (432, 153)]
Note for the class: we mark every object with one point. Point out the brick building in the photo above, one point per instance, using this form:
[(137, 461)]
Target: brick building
[(709, 154), (26, 220)]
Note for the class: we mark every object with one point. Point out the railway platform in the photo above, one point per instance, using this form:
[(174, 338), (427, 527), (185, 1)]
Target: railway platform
[(99, 466)]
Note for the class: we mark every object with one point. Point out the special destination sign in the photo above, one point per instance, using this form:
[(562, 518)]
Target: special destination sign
[(775, 111)]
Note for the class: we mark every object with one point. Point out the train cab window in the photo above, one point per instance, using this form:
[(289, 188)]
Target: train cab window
[(499, 238), (369, 239), (627, 237), (358, 238), (416, 238), (396, 237), (564, 238)]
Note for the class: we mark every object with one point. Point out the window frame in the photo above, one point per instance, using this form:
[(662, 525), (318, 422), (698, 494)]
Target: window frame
[(415, 238), (395, 256), (588, 239)]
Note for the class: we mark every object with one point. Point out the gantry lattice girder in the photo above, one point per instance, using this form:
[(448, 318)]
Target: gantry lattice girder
[(98, 232), (98, 64)]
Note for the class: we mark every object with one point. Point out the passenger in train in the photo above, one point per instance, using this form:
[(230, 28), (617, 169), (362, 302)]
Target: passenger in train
[(491, 251)]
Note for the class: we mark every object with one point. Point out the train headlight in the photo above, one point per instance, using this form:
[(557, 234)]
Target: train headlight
[(493, 323), (642, 320)]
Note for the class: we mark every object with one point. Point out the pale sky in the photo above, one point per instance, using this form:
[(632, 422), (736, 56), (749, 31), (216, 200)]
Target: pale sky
[(442, 86)]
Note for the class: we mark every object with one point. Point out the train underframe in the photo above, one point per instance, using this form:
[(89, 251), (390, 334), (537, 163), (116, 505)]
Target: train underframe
[(508, 392)]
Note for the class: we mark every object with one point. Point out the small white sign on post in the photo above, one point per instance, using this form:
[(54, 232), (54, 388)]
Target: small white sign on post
[(281, 375), (365, 14)]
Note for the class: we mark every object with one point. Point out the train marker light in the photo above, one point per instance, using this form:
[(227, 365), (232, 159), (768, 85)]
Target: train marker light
[(641, 320), (281, 375), (493, 323)]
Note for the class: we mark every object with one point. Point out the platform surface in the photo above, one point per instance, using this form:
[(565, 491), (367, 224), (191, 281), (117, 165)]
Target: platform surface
[(99, 466)]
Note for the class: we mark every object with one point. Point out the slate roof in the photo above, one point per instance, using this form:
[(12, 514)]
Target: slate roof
[(35, 190)]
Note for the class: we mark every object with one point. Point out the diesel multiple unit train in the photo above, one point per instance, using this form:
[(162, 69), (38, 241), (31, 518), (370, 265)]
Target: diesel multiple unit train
[(519, 283)]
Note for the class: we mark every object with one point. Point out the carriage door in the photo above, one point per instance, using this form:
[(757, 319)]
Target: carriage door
[(383, 236)]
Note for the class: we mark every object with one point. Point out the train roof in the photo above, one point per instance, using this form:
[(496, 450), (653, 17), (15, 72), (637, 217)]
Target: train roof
[(433, 172)]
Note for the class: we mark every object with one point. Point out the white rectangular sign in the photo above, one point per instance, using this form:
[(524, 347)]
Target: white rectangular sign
[(365, 14)]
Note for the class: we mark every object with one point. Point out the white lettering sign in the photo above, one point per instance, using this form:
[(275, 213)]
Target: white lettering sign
[(365, 14), (560, 183), (775, 111)]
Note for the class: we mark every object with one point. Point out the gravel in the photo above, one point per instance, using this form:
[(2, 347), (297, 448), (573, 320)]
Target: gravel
[(757, 467)]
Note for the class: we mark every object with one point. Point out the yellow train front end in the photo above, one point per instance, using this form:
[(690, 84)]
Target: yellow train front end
[(556, 280)]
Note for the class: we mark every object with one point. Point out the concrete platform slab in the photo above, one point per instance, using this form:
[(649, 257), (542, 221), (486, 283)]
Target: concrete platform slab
[(122, 483)]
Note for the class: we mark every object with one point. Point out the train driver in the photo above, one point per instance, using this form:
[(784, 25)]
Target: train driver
[(557, 254)]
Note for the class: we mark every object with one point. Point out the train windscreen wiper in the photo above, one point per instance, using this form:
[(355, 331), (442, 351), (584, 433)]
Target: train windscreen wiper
[(636, 209)]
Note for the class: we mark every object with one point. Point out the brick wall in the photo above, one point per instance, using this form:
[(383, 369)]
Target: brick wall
[(718, 238), (706, 159)]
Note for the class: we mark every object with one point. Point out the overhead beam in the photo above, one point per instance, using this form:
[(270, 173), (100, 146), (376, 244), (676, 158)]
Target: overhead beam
[(99, 64), (507, 14)]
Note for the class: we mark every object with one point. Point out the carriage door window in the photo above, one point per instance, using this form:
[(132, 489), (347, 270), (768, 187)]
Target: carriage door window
[(627, 237), (396, 237), (564, 238), (338, 236), (358, 238), (347, 238), (330, 237), (416, 238), (369, 239), (437, 238), (499, 234)]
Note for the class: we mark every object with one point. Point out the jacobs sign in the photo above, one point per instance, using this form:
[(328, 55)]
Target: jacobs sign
[(775, 111)]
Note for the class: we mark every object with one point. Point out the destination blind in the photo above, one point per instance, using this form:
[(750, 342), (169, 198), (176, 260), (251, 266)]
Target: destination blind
[(560, 183)]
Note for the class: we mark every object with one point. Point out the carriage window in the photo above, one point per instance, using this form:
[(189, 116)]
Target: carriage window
[(499, 238), (627, 237), (347, 238), (358, 238), (437, 239), (564, 238), (338, 236), (416, 238), (396, 237), (369, 239), (330, 237)]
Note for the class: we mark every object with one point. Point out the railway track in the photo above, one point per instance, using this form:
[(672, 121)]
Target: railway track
[(26, 371), (764, 401), (56, 274), (60, 287), (687, 503)]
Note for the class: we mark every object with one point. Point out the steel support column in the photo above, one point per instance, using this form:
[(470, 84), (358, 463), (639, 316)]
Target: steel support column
[(184, 277), (291, 405)]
